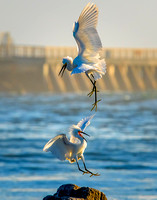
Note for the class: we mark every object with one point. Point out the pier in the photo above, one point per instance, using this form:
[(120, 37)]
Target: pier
[(127, 70), (35, 69)]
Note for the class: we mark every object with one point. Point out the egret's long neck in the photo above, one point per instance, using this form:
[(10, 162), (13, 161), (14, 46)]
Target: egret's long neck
[(83, 141), (76, 139), (75, 136)]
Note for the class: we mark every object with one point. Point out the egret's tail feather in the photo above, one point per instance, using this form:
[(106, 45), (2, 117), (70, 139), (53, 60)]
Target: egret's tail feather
[(101, 66), (100, 69), (97, 75)]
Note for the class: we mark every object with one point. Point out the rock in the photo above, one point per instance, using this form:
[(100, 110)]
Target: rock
[(49, 197), (74, 192)]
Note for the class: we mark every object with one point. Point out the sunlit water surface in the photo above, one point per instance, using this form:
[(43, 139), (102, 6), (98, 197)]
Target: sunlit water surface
[(122, 146)]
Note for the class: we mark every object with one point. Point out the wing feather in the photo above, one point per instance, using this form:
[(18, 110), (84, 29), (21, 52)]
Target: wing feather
[(59, 146), (85, 33), (85, 122), (91, 11)]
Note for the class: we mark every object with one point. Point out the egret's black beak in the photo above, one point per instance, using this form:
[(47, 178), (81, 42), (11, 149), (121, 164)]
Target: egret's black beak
[(85, 133), (62, 70)]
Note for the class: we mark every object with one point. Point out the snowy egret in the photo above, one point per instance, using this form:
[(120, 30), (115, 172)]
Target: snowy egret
[(73, 149), (89, 48)]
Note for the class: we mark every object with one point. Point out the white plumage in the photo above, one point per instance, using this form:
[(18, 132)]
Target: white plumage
[(73, 149), (85, 122), (89, 44), (59, 146), (89, 48)]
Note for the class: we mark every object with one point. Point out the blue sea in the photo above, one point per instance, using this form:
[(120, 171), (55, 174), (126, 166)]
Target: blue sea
[(122, 146)]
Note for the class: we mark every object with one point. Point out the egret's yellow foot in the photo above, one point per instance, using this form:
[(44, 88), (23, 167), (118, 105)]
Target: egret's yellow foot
[(92, 174), (95, 105), (91, 93), (85, 173)]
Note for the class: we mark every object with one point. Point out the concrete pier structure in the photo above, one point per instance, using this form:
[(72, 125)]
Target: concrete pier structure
[(35, 69)]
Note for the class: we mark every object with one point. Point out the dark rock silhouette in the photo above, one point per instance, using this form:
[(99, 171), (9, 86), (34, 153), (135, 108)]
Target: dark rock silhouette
[(74, 192)]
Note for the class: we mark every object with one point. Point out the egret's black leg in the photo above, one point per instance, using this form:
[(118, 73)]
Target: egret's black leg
[(93, 83), (93, 90), (92, 174), (84, 172), (96, 101)]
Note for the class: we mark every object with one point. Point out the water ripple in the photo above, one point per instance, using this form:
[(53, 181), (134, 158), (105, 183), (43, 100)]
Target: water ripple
[(122, 146)]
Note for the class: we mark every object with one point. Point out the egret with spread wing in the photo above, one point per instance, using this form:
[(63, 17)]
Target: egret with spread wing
[(89, 48), (73, 149)]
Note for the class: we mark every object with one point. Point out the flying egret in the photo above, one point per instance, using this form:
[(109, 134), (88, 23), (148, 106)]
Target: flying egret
[(73, 149), (89, 48)]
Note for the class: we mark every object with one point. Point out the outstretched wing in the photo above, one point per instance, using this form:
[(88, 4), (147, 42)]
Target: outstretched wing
[(59, 146), (85, 32), (85, 122)]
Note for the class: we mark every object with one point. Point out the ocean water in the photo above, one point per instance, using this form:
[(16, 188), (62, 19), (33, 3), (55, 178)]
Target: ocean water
[(122, 146)]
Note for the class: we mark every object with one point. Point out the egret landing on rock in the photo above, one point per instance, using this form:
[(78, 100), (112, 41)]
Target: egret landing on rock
[(89, 49), (71, 150)]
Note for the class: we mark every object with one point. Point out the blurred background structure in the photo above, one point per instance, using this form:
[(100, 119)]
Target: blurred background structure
[(35, 69)]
